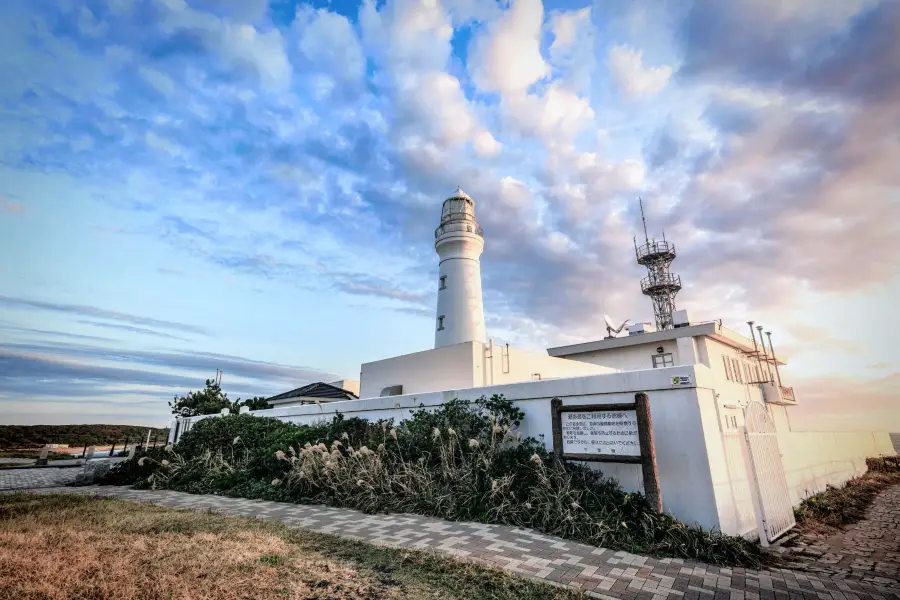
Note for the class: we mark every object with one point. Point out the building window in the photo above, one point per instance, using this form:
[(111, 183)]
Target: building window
[(727, 368), (443, 285), (663, 360), (736, 369), (440, 324)]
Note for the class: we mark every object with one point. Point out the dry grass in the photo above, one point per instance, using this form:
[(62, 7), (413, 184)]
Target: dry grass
[(828, 511), (134, 551)]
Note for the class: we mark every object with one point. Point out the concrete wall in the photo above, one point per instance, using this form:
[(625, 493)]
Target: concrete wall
[(680, 440), (503, 364), (814, 459), (702, 475), (628, 358), (446, 368), (466, 365)]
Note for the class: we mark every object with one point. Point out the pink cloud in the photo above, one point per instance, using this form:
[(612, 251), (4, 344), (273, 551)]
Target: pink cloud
[(11, 207)]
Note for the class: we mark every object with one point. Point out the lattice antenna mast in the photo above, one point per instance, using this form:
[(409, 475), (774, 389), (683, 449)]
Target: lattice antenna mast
[(659, 284)]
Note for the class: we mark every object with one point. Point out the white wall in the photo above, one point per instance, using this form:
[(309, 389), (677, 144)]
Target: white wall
[(680, 441), (813, 459), (449, 367), (513, 365), (628, 358), (466, 365)]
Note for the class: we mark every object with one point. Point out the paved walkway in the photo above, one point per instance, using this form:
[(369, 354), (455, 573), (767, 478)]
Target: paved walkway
[(600, 572), (23, 479), (868, 550)]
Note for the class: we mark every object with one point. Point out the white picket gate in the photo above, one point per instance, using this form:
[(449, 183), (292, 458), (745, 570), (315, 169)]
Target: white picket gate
[(768, 483)]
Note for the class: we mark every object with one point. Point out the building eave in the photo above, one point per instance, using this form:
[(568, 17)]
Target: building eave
[(711, 329)]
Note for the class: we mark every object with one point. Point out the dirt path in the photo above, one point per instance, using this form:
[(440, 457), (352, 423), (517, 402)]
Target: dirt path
[(867, 551)]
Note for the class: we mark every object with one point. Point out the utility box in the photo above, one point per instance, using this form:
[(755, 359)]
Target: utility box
[(681, 318), (639, 328)]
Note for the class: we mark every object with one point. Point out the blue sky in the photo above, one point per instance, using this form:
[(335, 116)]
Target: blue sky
[(253, 186)]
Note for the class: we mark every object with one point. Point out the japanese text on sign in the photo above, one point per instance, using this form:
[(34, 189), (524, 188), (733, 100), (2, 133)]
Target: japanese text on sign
[(600, 432)]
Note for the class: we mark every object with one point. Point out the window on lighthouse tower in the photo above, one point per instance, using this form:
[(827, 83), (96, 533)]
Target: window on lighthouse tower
[(443, 285), (440, 323)]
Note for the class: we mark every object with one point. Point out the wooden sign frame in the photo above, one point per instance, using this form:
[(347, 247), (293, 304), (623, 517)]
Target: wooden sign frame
[(647, 458)]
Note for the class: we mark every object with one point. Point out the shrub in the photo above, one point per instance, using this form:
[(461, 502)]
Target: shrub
[(460, 461)]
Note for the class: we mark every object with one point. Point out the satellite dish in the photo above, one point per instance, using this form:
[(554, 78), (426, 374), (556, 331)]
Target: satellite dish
[(611, 330)]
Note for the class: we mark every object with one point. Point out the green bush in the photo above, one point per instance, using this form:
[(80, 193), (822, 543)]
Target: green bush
[(460, 461)]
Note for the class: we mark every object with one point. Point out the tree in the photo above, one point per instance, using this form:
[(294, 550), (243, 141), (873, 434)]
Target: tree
[(255, 403), (209, 401)]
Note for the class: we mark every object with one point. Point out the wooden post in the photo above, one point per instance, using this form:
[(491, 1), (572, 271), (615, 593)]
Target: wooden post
[(648, 451), (112, 449), (556, 424), (83, 452)]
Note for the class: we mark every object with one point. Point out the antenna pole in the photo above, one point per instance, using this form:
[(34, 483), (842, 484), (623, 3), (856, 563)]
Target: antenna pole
[(774, 360), (762, 342), (644, 220), (756, 350)]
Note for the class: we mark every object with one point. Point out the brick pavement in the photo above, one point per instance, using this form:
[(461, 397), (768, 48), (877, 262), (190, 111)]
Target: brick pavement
[(867, 551), (22, 479), (602, 573)]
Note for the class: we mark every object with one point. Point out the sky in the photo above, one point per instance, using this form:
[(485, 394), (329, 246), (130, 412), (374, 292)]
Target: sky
[(252, 186)]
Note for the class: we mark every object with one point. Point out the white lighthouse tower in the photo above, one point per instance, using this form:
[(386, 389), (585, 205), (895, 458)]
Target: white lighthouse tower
[(459, 241)]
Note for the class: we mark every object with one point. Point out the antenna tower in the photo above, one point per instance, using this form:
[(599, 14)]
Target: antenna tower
[(659, 284)]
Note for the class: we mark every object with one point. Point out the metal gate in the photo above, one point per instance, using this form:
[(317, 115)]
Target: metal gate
[(768, 483)]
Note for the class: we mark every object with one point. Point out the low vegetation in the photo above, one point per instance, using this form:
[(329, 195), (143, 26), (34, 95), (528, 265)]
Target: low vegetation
[(837, 507), (33, 454), (34, 436), (462, 461), (57, 547)]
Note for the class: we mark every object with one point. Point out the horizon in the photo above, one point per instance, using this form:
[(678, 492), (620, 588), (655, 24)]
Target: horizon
[(253, 185)]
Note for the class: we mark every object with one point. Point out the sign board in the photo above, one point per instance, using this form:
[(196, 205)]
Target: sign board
[(600, 432), (681, 380), (617, 433)]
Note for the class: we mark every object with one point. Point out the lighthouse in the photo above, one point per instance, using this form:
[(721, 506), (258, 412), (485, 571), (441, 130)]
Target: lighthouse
[(459, 242)]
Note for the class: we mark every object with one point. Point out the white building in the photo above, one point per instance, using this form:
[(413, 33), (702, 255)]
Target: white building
[(727, 455)]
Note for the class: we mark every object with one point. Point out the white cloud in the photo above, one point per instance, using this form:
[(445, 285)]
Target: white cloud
[(437, 102), (158, 80), (572, 53), (485, 145), (410, 40), (241, 45), (515, 194), (327, 39), (162, 144), (407, 35), (88, 24), (566, 25), (507, 57), (633, 79), (558, 113)]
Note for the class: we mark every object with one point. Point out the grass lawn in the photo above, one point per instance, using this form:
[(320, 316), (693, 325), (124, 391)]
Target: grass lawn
[(63, 546)]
